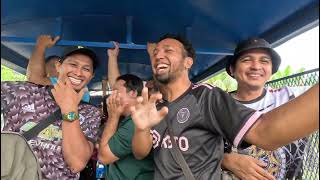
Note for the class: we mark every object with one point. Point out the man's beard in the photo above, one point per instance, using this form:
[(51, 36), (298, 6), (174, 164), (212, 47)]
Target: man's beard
[(163, 79)]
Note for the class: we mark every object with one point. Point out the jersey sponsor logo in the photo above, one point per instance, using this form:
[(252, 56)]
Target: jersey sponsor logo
[(155, 138), (183, 115), (181, 141), (44, 145)]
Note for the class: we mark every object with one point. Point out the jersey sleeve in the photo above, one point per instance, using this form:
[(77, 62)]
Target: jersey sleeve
[(120, 142), (228, 117)]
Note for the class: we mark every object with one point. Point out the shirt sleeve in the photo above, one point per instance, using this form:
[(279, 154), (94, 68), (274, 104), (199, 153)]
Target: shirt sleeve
[(228, 117), (120, 142)]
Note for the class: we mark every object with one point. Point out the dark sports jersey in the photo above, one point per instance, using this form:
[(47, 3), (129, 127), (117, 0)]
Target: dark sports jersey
[(24, 104), (200, 118)]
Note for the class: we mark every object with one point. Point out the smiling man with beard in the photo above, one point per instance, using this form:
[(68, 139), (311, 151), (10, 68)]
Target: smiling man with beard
[(65, 146), (201, 115)]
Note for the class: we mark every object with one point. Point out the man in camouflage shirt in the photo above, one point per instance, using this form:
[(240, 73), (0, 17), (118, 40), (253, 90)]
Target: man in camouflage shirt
[(65, 146)]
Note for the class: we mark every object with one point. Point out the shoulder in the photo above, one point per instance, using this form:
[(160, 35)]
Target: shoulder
[(22, 86), (288, 91), (204, 91), (204, 88)]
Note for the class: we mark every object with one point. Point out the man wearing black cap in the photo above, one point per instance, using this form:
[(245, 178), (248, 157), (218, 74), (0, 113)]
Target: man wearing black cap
[(65, 146), (252, 65), (42, 70)]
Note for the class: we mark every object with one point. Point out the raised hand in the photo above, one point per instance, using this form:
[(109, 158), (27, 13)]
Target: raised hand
[(115, 105), (47, 41), (145, 114), (114, 52), (65, 95), (246, 167)]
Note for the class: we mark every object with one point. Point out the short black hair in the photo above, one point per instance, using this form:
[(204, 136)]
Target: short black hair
[(184, 41), (52, 57), (132, 83)]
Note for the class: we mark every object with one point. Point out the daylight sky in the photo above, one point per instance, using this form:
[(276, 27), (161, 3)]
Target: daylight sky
[(301, 51)]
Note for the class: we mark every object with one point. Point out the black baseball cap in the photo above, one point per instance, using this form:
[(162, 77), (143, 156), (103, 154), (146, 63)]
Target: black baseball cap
[(251, 44), (71, 50)]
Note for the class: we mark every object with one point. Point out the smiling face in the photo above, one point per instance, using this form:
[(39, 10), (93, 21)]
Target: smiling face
[(127, 98), (78, 68), (253, 69), (170, 61)]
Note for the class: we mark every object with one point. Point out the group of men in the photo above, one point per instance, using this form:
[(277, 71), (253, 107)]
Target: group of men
[(136, 142)]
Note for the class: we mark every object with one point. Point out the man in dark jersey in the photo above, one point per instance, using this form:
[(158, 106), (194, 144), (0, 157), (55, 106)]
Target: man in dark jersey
[(201, 115)]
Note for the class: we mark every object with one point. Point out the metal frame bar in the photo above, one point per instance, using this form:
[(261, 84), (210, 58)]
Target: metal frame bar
[(32, 41)]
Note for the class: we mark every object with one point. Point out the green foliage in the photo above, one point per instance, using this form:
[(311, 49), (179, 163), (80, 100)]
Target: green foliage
[(286, 72), (227, 83), (223, 81), (8, 74)]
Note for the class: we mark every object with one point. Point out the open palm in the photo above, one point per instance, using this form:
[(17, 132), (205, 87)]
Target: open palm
[(144, 113)]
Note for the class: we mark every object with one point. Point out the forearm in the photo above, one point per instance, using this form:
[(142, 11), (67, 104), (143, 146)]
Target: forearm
[(289, 122), (75, 147), (109, 130), (229, 161), (113, 70), (36, 66), (141, 143)]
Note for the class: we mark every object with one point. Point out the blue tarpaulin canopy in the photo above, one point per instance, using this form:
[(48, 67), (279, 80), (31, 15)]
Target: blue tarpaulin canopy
[(213, 26)]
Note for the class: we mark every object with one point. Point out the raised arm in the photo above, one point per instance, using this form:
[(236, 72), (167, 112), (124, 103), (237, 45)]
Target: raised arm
[(113, 67), (291, 121), (115, 108), (36, 72), (145, 116)]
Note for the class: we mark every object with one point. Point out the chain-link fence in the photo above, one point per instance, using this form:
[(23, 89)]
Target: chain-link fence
[(311, 156)]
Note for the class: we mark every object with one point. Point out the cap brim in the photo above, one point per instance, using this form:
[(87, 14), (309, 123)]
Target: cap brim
[(275, 58), (85, 51)]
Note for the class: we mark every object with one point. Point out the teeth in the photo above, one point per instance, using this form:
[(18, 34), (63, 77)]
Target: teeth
[(254, 75), (159, 66), (75, 81)]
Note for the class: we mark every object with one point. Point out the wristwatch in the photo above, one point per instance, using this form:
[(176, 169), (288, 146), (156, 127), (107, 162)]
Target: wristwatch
[(71, 116)]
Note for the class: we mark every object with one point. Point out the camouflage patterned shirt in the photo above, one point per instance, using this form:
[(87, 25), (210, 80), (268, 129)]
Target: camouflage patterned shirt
[(24, 104)]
